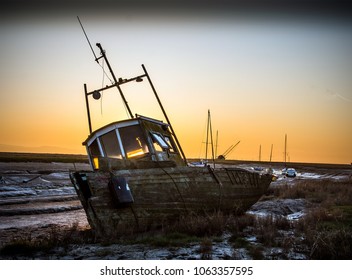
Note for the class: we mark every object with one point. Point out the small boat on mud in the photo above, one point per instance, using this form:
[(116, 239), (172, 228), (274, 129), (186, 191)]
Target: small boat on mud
[(140, 177)]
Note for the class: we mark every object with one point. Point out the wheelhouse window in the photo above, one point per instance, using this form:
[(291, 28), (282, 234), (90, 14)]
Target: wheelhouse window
[(94, 149), (161, 142), (170, 143), (133, 141), (94, 153), (111, 145)]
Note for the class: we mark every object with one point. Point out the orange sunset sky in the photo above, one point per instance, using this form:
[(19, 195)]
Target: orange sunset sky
[(262, 75)]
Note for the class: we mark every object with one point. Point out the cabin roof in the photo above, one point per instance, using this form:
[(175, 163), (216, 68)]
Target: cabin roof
[(118, 124)]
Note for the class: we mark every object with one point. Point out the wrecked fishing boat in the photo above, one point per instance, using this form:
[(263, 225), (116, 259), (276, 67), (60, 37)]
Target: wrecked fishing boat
[(140, 177)]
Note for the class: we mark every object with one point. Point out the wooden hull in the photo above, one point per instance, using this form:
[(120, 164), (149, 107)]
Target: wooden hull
[(164, 194)]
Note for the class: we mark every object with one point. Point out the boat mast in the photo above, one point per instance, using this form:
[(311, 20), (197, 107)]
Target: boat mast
[(88, 111), (211, 139), (102, 52), (96, 93), (164, 112), (271, 152), (285, 148), (260, 152), (117, 83), (216, 143), (209, 131), (206, 140)]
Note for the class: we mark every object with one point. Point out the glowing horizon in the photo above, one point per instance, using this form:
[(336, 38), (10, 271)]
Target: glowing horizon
[(261, 79)]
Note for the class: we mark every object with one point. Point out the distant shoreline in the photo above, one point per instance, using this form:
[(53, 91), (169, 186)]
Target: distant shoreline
[(288, 164), (79, 158), (42, 157)]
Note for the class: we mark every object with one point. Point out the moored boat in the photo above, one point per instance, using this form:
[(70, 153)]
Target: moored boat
[(140, 177)]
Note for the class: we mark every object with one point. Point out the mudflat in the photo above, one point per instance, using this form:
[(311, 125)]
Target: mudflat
[(37, 198)]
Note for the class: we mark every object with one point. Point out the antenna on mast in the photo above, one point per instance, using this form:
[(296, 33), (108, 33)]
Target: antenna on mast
[(85, 34), (117, 83)]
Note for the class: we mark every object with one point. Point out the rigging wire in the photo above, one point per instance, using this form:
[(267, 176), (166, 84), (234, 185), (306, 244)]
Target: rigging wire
[(102, 65), (102, 85), (112, 82), (104, 72)]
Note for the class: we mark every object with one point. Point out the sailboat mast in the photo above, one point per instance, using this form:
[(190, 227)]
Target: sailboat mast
[(260, 152), (271, 152), (285, 148), (211, 140), (216, 144), (209, 131), (207, 139)]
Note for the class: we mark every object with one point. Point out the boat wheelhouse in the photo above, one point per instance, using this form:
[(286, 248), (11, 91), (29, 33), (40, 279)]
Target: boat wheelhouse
[(132, 143)]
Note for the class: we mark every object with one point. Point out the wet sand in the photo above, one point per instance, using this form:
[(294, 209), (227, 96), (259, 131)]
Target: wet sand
[(37, 197)]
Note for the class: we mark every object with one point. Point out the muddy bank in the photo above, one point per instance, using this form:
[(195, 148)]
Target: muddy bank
[(38, 201), (35, 196)]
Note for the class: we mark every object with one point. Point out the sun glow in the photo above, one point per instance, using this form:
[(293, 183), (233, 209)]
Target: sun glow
[(260, 79)]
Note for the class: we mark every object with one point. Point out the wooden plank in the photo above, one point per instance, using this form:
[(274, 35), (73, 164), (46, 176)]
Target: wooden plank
[(163, 193)]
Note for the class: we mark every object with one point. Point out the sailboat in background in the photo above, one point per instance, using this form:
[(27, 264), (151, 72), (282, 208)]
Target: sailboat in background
[(204, 162), (288, 172), (228, 151)]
